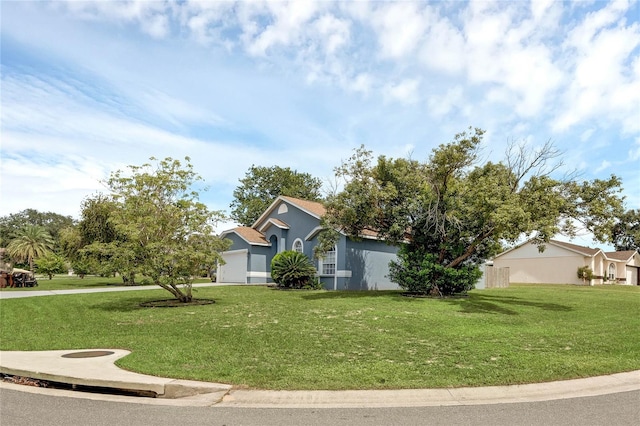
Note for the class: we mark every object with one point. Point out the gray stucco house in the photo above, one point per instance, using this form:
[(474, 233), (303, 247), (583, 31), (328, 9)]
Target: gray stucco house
[(294, 224)]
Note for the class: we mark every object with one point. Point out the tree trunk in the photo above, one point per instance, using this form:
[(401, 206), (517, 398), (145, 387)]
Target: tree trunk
[(176, 292)]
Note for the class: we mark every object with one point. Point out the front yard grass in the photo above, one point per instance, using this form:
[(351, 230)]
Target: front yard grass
[(259, 337)]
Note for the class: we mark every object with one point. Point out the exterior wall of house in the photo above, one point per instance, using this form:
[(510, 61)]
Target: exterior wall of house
[(599, 268), (259, 271), (553, 266), (368, 262), (338, 280), (609, 271), (625, 272), (300, 225)]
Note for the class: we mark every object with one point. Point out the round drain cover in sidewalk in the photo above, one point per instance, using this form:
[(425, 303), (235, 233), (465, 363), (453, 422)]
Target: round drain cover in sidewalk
[(87, 354)]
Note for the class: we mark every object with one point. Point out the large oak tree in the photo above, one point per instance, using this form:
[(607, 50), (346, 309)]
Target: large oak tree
[(450, 213)]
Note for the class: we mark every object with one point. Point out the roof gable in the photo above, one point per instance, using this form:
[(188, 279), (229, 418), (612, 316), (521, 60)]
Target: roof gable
[(275, 222), (312, 208), (250, 235), (587, 251), (584, 251), (626, 255)]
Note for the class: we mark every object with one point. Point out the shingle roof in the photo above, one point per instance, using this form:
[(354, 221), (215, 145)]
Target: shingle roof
[(313, 207), (581, 249), (279, 223), (273, 221), (620, 255), (250, 235)]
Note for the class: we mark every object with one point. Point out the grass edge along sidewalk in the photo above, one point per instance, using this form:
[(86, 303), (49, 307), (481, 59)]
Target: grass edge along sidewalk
[(258, 337)]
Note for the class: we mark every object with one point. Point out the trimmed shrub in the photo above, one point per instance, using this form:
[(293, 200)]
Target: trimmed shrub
[(585, 273), (290, 269), (420, 273)]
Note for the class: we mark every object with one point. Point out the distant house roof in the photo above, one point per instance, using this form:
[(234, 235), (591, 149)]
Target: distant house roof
[(587, 251), (624, 256), (620, 255)]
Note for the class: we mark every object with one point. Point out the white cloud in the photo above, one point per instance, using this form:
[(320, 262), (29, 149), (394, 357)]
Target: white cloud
[(301, 83), (361, 83), (176, 111), (540, 8), (604, 165), (586, 135), (206, 20), (444, 47), (333, 32), (634, 151), (150, 15), (405, 91), (440, 106), (69, 179), (605, 78), (289, 19), (400, 27)]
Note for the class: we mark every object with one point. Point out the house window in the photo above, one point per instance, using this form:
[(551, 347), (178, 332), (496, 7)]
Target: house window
[(297, 245), (328, 263), (612, 271)]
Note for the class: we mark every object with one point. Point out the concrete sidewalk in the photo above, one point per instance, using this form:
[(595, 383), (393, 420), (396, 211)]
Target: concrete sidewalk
[(96, 368), (16, 294)]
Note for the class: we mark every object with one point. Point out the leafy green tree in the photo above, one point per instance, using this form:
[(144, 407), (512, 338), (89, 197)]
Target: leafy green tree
[(96, 223), (451, 213), (82, 267), (163, 230), (30, 243), (13, 224), (262, 185), (69, 242), (626, 232), (99, 240), (50, 265)]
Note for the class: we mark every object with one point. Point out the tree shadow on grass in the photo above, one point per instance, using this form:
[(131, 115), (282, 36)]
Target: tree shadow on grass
[(356, 294), (137, 303), (492, 304)]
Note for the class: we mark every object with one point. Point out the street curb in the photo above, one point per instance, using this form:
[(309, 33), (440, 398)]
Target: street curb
[(100, 371), (576, 388)]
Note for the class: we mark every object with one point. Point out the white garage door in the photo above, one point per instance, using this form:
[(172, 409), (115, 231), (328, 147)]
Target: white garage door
[(235, 268), (632, 275)]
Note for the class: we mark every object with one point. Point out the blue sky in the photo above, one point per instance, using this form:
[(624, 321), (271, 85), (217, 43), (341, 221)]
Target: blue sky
[(91, 87)]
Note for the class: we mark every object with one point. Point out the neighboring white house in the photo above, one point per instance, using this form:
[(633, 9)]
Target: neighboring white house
[(559, 263)]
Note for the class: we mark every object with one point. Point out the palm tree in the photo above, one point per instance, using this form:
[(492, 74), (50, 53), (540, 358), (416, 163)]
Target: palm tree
[(31, 242)]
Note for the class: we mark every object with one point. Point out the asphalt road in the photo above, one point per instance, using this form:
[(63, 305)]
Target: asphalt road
[(21, 408)]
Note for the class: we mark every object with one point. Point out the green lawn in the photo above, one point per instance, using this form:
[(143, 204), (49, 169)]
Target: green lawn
[(265, 338)]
